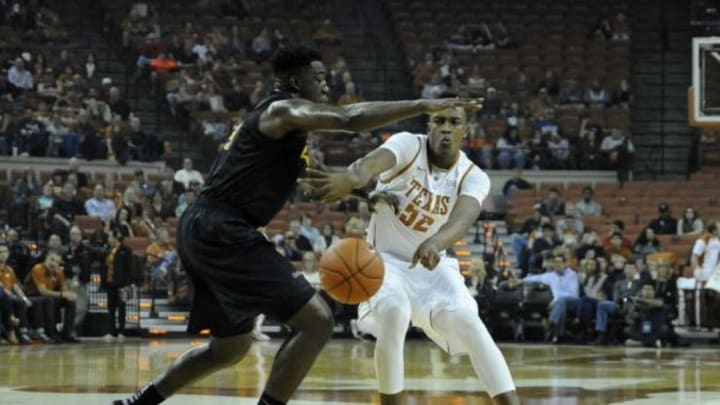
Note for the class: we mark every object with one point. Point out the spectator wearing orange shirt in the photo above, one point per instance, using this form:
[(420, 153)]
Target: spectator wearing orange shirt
[(13, 302), (47, 281), (616, 247)]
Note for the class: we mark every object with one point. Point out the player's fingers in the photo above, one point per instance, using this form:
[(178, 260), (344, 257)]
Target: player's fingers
[(313, 181), (315, 172), (415, 259)]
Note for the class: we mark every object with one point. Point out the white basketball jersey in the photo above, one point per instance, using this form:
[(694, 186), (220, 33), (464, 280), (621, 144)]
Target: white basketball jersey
[(427, 195)]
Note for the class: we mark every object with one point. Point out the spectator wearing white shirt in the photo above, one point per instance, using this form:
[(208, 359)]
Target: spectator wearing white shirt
[(618, 151), (188, 174), (200, 49), (19, 77), (564, 284), (588, 206)]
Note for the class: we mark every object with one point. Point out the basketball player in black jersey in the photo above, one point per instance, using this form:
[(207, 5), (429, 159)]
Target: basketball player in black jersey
[(236, 272)]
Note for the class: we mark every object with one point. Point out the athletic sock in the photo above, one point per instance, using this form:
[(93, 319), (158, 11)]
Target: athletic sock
[(266, 399), (149, 395)]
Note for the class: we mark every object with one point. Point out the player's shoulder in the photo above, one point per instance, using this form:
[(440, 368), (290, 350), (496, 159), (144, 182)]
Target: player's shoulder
[(406, 136), (470, 173)]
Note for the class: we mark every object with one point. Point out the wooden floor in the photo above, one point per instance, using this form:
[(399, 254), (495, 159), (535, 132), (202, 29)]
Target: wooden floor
[(96, 372)]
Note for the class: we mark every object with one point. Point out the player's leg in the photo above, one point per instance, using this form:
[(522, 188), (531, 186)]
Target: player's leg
[(194, 364), (392, 315), (312, 326), (463, 325)]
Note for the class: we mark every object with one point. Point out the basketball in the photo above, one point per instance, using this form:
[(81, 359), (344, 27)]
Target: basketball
[(351, 271)]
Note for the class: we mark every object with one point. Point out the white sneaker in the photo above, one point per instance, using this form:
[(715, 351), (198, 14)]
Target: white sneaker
[(260, 337), (108, 338), (121, 338)]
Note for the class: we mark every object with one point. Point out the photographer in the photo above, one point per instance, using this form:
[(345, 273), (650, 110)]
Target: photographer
[(647, 318)]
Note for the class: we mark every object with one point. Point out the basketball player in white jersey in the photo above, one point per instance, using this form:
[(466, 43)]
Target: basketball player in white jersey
[(427, 196)]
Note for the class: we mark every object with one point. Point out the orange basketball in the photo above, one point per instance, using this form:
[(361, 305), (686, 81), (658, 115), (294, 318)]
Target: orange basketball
[(351, 271)]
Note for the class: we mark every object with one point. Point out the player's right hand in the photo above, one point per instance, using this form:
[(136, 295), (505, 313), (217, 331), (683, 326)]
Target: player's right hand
[(384, 196), (439, 104)]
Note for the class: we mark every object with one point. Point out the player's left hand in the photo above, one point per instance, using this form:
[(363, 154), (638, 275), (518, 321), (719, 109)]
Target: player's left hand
[(327, 186), (427, 254)]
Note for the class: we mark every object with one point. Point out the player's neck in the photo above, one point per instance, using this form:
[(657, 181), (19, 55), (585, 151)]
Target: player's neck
[(442, 161)]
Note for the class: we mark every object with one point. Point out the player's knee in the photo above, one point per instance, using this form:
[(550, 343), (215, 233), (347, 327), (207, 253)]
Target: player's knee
[(317, 319), (395, 316), (230, 350), (464, 323)]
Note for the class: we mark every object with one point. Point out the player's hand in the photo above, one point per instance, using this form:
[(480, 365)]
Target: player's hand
[(327, 186), (387, 197), (439, 104), (427, 254)]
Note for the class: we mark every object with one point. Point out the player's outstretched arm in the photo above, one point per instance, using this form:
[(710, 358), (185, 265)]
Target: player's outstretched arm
[(290, 115), (462, 217), (329, 186)]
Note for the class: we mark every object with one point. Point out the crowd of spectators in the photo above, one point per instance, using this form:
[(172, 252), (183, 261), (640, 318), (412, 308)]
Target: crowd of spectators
[(54, 102)]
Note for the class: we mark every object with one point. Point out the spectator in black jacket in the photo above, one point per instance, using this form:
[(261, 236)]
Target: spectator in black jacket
[(664, 224), (117, 280), (63, 211), (76, 261)]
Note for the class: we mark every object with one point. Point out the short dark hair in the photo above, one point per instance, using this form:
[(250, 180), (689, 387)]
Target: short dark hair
[(620, 224), (547, 227), (293, 57), (712, 227)]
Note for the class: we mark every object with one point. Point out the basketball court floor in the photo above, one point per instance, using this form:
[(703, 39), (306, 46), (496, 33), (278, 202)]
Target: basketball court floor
[(96, 372)]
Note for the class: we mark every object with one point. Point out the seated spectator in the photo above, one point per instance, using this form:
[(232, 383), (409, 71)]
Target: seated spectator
[(99, 205), (521, 86), (237, 99), (553, 204), (503, 40), (592, 283), (288, 247), (618, 151), (570, 224), (616, 247), (19, 78), (492, 105), (540, 104), (647, 318), (549, 82), (160, 255), (564, 284), (511, 150), (619, 28), (13, 303), (690, 223), (189, 196), (587, 147), (617, 303), (121, 222), (588, 206), (46, 284), (460, 40), (482, 37), (541, 247), (262, 46), (546, 123), (310, 269), (350, 96), (326, 239), (617, 226), (435, 87), (646, 243), (596, 96), (559, 148), (119, 105), (516, 183), (622, 96), (25, 190), (188, 174), (327, 34), (571, 94), (63, 211), (423, 71), (590, 247), (664, 224), (160, 209), (116, 282), (476, 83)]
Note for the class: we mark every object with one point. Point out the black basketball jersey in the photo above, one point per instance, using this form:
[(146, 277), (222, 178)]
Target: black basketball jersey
[(255, 174)]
